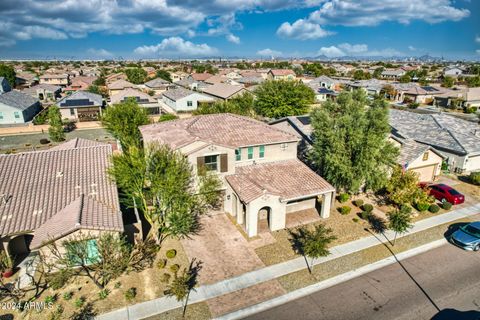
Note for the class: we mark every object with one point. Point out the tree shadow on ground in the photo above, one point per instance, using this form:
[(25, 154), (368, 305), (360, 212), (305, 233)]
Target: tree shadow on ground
[(377, 224), (452, 314)]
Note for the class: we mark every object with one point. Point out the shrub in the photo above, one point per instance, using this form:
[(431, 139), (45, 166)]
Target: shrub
[(161, 263), (103, 294), (174, 267), (422, 206), (474, 178), (406, 208), (446, 205), (365, 215), (131, 293), (358, 203), (355, 220), (44, 141), (165, 277), (79, 302), (58, 279), (68, 295), (367, 207), (433, 208), (50, 299), (172, 253), (343, 197), (344, 210), (117, 285)]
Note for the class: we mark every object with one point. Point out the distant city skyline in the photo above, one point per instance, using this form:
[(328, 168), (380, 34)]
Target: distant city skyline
[(176, 29)]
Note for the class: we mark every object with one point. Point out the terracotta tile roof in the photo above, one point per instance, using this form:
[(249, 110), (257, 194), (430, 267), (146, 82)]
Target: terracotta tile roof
[(120, 84), (282, 72), (77, 143), (223, 90), (222, 129), (201, 76), (289, 179), (38, 185), (124, 94)]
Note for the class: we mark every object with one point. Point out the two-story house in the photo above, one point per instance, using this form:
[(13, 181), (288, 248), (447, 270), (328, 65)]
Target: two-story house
[(257, 163), (281, 74)]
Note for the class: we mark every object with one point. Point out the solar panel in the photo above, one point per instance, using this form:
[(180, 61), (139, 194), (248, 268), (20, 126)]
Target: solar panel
[(305, 120), (429, 88)]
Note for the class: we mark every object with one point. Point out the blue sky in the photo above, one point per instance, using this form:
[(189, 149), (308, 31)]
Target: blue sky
[(104, 29)]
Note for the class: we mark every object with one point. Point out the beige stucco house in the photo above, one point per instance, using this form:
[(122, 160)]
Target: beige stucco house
[(261, 175)]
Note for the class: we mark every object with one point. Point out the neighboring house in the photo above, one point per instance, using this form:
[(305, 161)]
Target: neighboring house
[(252, 80), (158, 86), (44, 92), (422, 159), (453, 71), (200, 76), (119, 85), (178, 100), (178, 75), (26, 79), (61, 80), (144, 100), (263, 181), (115, 77), (81, 106), (281, 74), (323, 82), (55, 194), (456, 139), (17, 107), (224, 91), (4, 86), (299, 126), (393, 74), (371, 87), (322, 94), (80, 83), (422, 95), (151, 71)]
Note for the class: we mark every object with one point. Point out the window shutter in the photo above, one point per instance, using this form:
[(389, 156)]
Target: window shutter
[(224, 162), (200, 163)]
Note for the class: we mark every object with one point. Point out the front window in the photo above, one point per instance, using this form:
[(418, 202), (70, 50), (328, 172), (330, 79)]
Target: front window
[(425, 156), (211, 163), (189, 103), (72, 111), (17, 115), (262, 152), (250, 153), (82, 252), (238, 154)]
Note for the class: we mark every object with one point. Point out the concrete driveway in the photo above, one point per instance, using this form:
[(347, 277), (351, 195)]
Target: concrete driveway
[(222, 249)]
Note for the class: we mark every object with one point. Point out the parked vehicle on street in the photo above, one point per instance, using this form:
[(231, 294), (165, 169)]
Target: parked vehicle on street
[(445, 193), (467, 237)]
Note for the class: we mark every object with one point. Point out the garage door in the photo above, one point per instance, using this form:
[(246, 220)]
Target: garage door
[(473, 163), (425, 174)]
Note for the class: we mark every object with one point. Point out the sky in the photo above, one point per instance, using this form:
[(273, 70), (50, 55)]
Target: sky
[(181, 29)]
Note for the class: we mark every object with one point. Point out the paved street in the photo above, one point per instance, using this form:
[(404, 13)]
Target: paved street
[(443, 283)]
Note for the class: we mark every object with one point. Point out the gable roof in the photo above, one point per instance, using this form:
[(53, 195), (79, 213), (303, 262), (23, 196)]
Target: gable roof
[(81, 96), (178, 93), (120, 84), (77, 143), (157, 83), (140, 96), (282, 72), (43, 86), (411, 150), (223, 129), (201, 76), (40, 184), (17, 100), (223, 90)]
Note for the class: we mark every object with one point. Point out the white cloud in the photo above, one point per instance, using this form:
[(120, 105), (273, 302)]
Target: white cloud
[(233, 38), (99, 53), (269, 53), (478, 51), (412, 48), (360, 50), (331, 52), (353, 48), (176, 47), (29, 32), (477, 39), (302, 30)]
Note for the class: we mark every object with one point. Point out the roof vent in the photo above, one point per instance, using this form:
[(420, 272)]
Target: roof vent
[(4, 198), (37, 211), (59, 174)]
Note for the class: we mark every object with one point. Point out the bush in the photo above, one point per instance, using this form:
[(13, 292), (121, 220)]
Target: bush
[(474, 178), (68, 295), (165, 277), (406, 208), (367, 207), (117, 285), (79, 302), (358, 203), (50, 299), (422, 206), (58, 279), (131, 293), (343, 197), (161, 263), (355, 220), (433, 208), (174, 267), (365, 215), (172, 253), (103, 294), (446, 205), (344, 210), (44, 141)]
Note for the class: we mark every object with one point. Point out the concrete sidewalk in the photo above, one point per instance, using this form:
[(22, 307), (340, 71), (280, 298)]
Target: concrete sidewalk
[(163, 304)]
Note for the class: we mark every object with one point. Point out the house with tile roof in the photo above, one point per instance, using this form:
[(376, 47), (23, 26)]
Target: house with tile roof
[(53, 194), (263, 182), (183, 100), (18, 107), (44, 92), (118, 86), (144, 100), (158, 86), (56, 79), (81, 106), (281, 74), (456, 139), (224, 91), (80, 83)]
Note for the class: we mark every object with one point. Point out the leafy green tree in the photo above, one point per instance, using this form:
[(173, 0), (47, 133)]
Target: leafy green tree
[(183, 283), (8, 73), (399, 220), (122, 121), (164, 74), (209, 186), (473, 81), (100, 81), (276, 99), (136, 75), (312, 243), (423, 81), (377, 74), (159, 182), (242, 105), (448, 82), (361, 75), (56, 130), (389, 91), (350, 142), (405, 78), (402, 188), (167, 117)]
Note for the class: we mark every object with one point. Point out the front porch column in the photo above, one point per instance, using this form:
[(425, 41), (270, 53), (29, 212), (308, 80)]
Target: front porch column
[(4, 244), (326, 205), (240, 213), (252, 221)]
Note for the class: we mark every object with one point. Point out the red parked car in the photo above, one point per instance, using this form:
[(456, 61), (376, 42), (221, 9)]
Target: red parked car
[(444, 193)]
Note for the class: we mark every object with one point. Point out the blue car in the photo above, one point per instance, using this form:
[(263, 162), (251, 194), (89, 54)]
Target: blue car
[(467, 237)]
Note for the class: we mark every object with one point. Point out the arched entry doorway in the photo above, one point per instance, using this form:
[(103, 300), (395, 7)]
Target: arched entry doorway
[(264, 219), (19, 247)]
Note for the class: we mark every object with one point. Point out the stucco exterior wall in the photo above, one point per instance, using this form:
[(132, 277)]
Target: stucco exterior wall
[(301, 205), (8, 114), (433, 159), (273, 152)]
